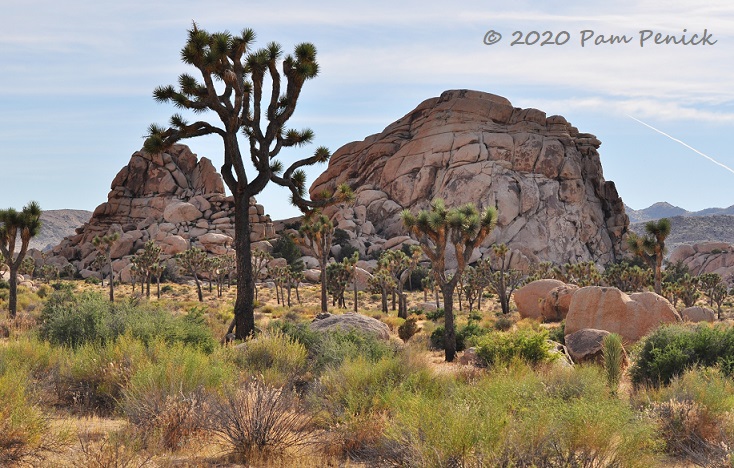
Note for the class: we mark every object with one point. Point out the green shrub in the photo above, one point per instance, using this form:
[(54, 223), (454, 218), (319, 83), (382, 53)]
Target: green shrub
[(408, 329), (465, 336), (435, 314), (285, 247), (91, 377), (73, 320), (275, 356), (4, 284), (518, 417), (501, 348), (558, 334), (167, 396), (613, 353), (693, 415), (327, 349), (23, 428), (672, 349)]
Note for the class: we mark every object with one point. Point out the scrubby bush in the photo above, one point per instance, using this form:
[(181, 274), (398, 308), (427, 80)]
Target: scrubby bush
[(259, 422), (672, 349), (518, 417), (167, 396), (500, 348), (75, 319), (693, 415), (435, 314), (22, 426), (503, 323), (465, 336), (274, 356), (408, 329), (327, 349)]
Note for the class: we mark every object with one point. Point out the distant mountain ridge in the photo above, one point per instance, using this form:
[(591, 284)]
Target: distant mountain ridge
[(57, 224), (694, 229), (666, 210)]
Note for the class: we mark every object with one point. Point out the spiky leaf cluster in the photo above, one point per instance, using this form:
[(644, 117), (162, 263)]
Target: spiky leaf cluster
[(14, 224)]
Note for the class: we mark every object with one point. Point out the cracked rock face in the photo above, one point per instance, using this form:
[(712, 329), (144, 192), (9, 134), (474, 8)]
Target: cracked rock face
[(543, 175)]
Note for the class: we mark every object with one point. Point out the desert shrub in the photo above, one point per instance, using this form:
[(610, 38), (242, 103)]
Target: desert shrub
[(120, 449), (259, 421), (73, 320), (337, 346), (465, 336), (347, 250), (285, 247), (500, 348), (392, 321), (92, 280), (91, 377), (408, 329), (693, 415), (518, 417), (672, 349), (23, 428), (167, 397), (503, 323), (278, 358), (4, 284), (435, 315), (613, 353), (558, 334), (166, 288), (331, 348)]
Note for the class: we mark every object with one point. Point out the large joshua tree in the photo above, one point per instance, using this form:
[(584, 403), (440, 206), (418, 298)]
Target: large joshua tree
[(13, 225), (464, 228), (651, 247), (233, 86)]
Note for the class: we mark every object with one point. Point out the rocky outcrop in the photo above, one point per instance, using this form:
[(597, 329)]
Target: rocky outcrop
[(173, 198), (706, 257), (351, 321), (542, 174), (698, 314), (556, 303), (529, 299), (632, 317)]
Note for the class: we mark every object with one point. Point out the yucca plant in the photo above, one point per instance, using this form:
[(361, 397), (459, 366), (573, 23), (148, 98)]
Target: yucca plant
[(613, 353)]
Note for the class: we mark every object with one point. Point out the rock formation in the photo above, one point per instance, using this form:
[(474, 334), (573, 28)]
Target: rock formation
[(631, 316), (706, 257), (530, 298), (173, 198), (542, 174)]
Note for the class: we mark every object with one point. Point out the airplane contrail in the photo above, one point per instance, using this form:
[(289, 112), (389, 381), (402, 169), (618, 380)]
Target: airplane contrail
[(684, 144)]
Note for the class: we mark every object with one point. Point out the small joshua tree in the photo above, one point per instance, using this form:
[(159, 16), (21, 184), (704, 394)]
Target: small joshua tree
[(192, 261), (464, 228), (319, 235), (502, 280), (13, 225), (104, 246)]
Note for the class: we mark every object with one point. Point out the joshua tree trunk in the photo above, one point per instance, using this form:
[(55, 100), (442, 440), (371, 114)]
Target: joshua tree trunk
[(658, 272), (324, 298), (198, 287), (449, 330), (245, 302), (384, 300), (111, 281), (13, 297)]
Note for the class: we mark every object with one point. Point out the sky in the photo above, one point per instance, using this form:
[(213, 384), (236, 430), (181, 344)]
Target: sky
[(76, 82)]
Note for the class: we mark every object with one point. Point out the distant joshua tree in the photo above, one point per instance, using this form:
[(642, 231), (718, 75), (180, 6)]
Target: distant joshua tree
[(13, 224), (651, 247), (104, 246), (465, 228)]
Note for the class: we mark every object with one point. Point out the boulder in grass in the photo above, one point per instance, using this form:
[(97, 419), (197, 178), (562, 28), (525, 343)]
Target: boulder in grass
[(351, 321), (698, 314)]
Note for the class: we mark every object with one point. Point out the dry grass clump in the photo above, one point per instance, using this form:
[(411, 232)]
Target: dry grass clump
[(261, 422)]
